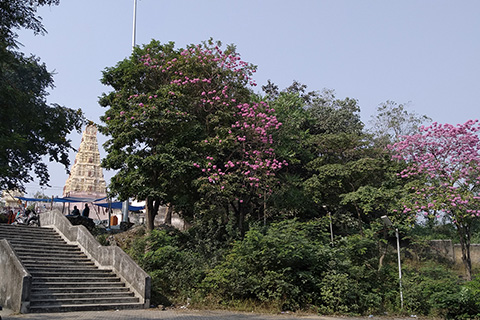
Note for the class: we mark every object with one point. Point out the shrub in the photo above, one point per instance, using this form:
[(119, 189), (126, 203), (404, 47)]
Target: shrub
[(175, 270), (293, 266)]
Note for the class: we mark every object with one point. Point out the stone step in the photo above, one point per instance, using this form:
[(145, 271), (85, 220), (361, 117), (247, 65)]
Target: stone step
[(76, 301), (58, 296), (40, 243), (80, 290), (47, 247), (73, 285), (32, 235), (65, 274), (65, 264), (74, 280), (47, 250), (85, 307), (11, 235), (40, 262), (54, 258), (17, 229), (26, 254), (66, 268), (23, 228)]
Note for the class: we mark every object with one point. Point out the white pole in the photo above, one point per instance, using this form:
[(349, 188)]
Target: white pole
[(125, 204), (331, 227), (399, 268), (134, 23)]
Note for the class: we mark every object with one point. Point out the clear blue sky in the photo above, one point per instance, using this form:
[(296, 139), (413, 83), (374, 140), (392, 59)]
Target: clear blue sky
[(425, 53)]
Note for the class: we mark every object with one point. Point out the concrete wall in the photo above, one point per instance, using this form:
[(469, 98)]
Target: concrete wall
[(107, 257), (15, 281), (453, 252)]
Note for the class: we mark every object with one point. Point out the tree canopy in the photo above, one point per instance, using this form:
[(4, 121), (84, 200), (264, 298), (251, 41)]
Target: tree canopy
[(186, 130), (31, 129), (443, 161)]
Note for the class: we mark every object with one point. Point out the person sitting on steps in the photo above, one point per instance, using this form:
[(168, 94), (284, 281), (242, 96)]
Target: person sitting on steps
[(75, 211), (86, 211)]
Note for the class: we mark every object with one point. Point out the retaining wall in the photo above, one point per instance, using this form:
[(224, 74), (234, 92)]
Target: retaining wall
[(453, 252), (15, 281)]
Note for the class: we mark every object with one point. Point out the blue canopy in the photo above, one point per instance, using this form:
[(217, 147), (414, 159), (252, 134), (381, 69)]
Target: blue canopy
[(34, 199), (118, 205), (66, 199), (113, 205)]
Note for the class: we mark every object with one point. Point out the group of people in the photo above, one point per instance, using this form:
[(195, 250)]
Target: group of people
[(85, 212)]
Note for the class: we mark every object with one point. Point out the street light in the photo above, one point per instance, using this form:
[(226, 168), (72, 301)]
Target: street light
[(388, 223), (331, 227)]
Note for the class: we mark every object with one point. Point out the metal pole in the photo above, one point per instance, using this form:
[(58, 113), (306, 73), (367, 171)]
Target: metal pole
[(331, 227), (109, 212), (399, 268), (134, 23)]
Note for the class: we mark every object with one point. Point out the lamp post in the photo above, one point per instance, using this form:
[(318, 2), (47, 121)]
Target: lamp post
[(331, 226), (388, 223)]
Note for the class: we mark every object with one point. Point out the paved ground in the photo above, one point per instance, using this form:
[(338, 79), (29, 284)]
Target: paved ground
[(178, 314)]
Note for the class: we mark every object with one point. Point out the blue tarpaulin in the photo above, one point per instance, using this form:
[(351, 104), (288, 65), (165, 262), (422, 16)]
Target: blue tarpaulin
[(113, 205), (118, 205), (34, 199), (66, 199)]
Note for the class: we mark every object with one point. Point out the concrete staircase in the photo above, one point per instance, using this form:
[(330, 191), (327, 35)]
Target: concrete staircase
[(63, 277)]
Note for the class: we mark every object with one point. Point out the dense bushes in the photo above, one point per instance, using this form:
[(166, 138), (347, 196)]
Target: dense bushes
[(175, 269), (292, 265)]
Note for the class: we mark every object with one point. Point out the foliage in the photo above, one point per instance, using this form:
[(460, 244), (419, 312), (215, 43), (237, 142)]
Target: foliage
[(292, 265), (185, 131), (392, 121), (292, 143), (442, 163), (16, 14), (176, 270), (30, 129), (432, 289)]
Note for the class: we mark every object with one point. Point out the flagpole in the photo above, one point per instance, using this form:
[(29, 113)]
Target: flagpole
[(134, 23), (126, 203)]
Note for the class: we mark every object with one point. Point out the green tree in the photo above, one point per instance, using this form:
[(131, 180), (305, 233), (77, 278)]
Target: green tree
[(17, 14), (30, 129), (392, 121), (351, 177), (185, 130)]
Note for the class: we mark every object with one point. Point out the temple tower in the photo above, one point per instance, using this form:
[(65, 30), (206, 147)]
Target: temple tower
[(86, 175)]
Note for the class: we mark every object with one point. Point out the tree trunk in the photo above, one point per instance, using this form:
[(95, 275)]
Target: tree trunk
[(464, 235), (240, 215), (168, 215), (152, 206)]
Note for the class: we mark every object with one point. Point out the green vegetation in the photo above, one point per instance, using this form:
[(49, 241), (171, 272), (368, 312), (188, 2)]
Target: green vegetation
[(30, 127), (292, 266), (264, 180)]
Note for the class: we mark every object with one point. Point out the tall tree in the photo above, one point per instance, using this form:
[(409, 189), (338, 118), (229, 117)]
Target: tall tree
[(443, 166), (392, 121), (186, 131), (31, 129), (349, 176)]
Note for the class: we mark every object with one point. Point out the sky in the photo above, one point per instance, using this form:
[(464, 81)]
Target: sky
[(424, 54)]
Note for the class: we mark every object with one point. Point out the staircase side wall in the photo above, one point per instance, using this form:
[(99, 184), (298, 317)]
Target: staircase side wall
[(15, 281), (106, 256)]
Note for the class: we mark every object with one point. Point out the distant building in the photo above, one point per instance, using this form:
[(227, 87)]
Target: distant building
[(86, 175), (10, 200), (86, 178)]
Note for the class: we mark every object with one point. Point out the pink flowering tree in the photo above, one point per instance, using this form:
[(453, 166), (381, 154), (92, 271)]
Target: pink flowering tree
[(442, 167), (187, 131)]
